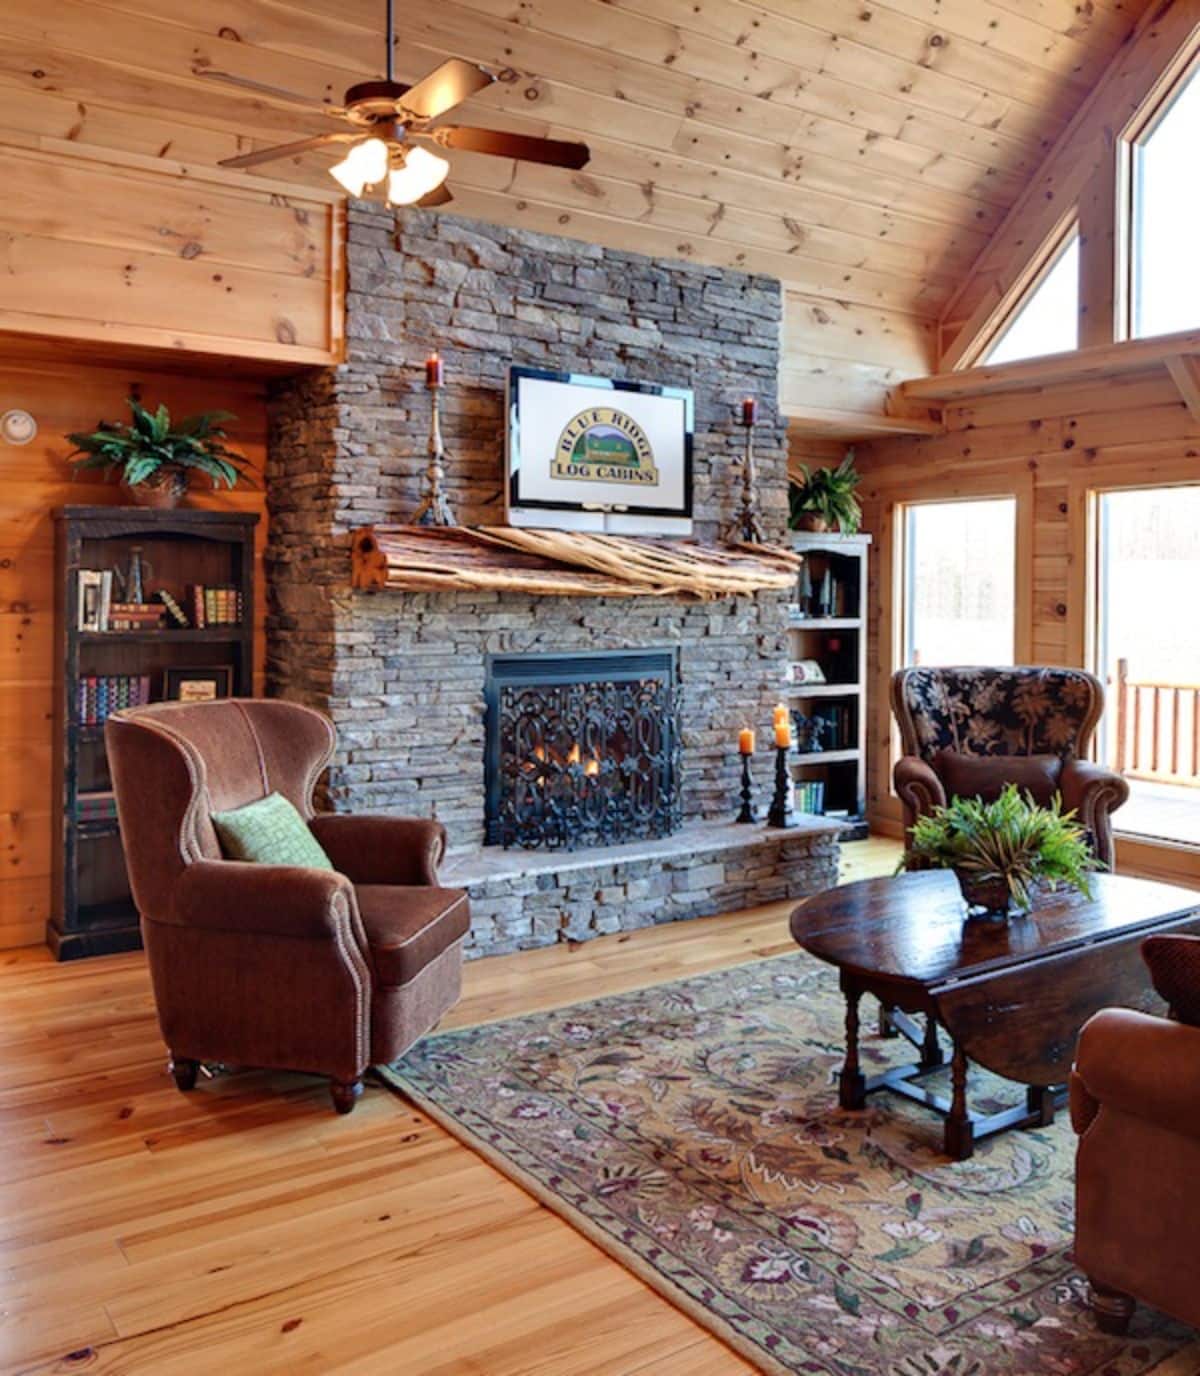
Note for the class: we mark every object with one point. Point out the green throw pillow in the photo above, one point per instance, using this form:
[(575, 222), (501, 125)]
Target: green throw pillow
[(269, 832)]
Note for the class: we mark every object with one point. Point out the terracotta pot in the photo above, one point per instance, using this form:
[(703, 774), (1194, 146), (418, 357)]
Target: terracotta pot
[(162, 492), (989, 898), (814, 521)]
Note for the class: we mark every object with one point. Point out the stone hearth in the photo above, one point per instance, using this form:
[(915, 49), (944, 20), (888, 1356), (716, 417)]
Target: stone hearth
[(402, 674)]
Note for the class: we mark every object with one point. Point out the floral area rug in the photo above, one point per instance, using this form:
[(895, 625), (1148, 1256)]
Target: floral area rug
[(692, 1130)]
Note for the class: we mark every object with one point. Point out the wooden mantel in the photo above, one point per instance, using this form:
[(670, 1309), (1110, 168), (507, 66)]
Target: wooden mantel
[(553, 563)]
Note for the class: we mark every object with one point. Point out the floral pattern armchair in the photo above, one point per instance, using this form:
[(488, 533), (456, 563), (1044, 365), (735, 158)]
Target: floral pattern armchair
[(1030, 725)]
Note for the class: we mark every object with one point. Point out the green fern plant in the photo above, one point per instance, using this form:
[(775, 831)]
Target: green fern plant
[(148, 448), (828, 494), (1012, 840)]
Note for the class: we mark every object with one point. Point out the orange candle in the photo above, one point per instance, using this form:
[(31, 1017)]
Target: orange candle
[(783, 735), (745, 741), (781, 713)]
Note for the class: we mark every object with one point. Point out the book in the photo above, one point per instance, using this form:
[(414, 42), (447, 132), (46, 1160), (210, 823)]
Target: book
[(89, 599), (175, 613)]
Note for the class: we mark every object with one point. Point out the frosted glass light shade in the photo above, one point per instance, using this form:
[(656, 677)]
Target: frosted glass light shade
[(418, 175), (364, 165)]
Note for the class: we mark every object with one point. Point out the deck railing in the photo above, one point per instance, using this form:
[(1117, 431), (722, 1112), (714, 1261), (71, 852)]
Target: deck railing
[(1158, 730)]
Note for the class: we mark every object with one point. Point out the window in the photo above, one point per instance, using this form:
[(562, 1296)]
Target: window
[(1166, 211), (1047, 321), (959, 583), (1148, 557)]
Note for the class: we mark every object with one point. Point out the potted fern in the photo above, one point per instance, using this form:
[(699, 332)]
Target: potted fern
[(1002, 850), (155, 461), (825, 500)]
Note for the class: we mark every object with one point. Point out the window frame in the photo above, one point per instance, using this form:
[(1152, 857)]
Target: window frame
[(1134, 137)]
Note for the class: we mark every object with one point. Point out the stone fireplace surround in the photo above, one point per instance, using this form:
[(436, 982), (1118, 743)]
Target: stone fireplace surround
[(402, 674)]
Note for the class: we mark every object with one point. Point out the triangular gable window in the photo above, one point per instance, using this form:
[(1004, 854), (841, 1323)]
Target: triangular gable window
[(1047, 321)]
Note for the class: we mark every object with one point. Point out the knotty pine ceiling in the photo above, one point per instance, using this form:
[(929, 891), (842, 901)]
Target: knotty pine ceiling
[(861, 151)]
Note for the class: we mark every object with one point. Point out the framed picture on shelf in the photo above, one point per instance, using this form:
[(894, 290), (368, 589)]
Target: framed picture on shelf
[(197, 685)]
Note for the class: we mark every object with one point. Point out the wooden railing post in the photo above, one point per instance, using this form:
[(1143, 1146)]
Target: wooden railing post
[(1122, 714)]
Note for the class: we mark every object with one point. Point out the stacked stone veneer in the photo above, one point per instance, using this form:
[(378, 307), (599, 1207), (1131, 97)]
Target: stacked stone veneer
[(402, 674)]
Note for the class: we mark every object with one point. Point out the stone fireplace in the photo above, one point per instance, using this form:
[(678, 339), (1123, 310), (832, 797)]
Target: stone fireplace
[(581, 750), (409, 677)]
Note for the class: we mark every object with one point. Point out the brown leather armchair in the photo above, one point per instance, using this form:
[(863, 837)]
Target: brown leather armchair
[(970, 731), (1135, 1103), (278, 966)]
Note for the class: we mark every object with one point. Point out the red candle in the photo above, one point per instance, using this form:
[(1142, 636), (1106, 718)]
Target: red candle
[(433, 371), (749, 411)]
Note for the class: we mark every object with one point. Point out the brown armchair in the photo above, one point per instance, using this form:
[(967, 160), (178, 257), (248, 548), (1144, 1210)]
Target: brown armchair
[(970, 731), (278, 966), (1135, 1103)]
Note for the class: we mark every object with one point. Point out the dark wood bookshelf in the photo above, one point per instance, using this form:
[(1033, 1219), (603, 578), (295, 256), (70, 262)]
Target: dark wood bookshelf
[(93, 911)]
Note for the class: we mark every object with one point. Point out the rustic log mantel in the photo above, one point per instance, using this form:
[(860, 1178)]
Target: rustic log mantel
[(553, 563)]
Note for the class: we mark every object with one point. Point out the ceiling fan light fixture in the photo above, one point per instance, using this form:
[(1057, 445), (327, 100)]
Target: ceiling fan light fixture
[(364, 165), (419, 174)]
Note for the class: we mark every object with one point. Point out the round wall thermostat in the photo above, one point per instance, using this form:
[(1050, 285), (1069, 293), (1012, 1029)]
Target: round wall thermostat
[(17, 427)]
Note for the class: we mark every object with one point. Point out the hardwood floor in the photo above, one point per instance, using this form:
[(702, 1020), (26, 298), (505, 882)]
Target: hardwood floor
[(246, 1228)]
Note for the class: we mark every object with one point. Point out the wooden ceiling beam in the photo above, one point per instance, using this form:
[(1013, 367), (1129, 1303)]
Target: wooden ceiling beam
[(1185, 373)]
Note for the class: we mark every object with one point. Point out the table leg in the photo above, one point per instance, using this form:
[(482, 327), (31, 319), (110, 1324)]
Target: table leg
[(852, 1085), (960, 1133), (931, 1051), (1039, 1099)]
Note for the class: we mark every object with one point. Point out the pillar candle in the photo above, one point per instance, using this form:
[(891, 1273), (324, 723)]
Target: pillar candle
[(781, 713), (783, 734), (746, 741), (433, 371), (749, 411)]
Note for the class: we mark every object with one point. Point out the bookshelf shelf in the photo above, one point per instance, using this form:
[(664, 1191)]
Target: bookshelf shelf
[(99, 671), (828, 626)]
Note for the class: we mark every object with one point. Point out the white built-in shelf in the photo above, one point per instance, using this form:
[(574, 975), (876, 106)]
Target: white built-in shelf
[(825, 623), (825, 757), (822, 690)]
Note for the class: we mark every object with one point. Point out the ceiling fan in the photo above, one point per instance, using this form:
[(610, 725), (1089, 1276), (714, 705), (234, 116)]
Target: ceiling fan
[(391, 124)]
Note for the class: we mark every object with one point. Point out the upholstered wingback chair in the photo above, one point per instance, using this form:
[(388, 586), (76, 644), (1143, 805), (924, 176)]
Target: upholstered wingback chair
[(966, 732), (278, 966), (1135, 1103)]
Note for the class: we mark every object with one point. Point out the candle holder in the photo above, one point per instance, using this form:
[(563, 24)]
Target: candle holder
[(746, 527), (747, 812), (435, 507), (782, 812)]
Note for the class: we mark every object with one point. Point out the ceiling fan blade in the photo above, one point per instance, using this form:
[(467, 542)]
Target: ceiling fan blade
[(554, 152), (449, 85), (287, 150), (247, 83), (440, 195)]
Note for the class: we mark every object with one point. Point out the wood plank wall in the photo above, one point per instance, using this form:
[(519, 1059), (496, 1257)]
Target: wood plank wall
[(35, 479), (1049, 448)]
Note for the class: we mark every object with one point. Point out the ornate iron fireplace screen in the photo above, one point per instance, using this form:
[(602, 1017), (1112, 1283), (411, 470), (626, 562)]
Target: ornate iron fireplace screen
[(582, 750)]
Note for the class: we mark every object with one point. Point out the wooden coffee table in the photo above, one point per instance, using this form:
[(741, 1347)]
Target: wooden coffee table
[(1012, 995)]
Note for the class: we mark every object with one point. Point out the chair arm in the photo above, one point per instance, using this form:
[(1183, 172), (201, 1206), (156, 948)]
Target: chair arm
[(1087, 788), (382, 850), (1146, 1067), (268, 900), (919, 788)]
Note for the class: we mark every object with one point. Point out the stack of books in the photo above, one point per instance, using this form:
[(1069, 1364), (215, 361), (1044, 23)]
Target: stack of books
[(100, 806), (133, 616), (100, 695), (810, 796), (214, 606)]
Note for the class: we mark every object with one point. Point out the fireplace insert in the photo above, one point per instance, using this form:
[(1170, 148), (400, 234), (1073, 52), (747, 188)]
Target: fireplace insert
[(582, 749)]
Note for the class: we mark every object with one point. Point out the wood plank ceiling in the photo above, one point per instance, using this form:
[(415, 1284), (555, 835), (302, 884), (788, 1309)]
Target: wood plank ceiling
[(863, 152)]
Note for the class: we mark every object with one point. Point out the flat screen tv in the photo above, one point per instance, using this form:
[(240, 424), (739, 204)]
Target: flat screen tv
[(595, 453)]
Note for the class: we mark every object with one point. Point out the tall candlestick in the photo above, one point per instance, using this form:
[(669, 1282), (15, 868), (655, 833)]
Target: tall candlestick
[(435, 507), (747, 812), (782, 811), (746, 528)]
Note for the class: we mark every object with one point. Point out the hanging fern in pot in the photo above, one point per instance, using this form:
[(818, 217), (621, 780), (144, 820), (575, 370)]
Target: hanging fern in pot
[(1003, 850), (157, 462)]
